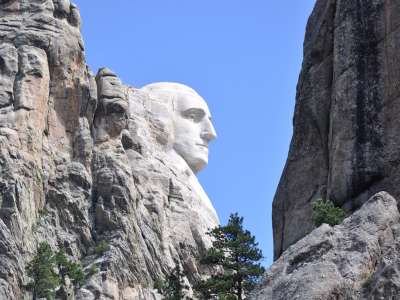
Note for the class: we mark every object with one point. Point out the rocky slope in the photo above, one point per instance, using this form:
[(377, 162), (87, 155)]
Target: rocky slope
[(356, 260), (82, 161), (346, 139)]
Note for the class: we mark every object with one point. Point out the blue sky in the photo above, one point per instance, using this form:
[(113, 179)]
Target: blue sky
[(243, 57)]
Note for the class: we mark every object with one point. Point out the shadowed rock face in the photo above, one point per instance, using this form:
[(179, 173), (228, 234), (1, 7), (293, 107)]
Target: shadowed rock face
[(82, 160), (346, 140)]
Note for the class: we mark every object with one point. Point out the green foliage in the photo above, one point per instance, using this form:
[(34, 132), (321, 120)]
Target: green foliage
[(69, 268), (325, 211), (42, 270), (43, 212), (101, 248), (227, 297), (236, 252), (76, 273), (159, 285), (93, 270), (61, 258), (174, 287)]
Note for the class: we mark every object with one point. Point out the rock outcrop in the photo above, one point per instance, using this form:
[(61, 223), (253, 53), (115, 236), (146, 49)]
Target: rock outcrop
[(346, 139), (358, 259), (345, 148), (82, 161)]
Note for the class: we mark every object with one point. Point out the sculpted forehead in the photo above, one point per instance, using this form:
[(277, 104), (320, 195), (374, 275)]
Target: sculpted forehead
[(180, 97), (185, 101)]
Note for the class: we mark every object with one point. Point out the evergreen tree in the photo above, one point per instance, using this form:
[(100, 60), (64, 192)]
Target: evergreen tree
[(174, 286), (68, 268), (42, 270), (325, 211), (236, 253)]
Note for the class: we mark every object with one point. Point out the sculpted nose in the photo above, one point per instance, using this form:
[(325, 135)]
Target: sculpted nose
[(208, 132)]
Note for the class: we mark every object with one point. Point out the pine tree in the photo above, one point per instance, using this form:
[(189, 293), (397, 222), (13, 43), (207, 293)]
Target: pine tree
[(68, 268), (174, 287), (42, 270), (236, 253), (325, 211)]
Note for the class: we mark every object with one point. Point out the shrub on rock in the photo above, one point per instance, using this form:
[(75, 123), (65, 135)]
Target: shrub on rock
[(325, 211)]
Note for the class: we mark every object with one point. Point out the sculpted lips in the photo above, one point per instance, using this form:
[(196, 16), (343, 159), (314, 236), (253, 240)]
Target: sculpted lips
[(203, 145)]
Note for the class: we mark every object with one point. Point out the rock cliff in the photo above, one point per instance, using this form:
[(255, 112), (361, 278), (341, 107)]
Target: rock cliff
[(82, 161), (346, 139), (345, 148)]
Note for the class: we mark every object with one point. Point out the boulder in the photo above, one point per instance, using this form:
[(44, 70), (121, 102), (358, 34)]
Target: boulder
[(358, 259)]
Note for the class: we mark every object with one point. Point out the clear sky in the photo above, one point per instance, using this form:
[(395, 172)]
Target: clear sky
[(243, 57)]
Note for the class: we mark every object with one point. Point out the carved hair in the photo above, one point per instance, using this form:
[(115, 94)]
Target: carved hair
[(166, 92)]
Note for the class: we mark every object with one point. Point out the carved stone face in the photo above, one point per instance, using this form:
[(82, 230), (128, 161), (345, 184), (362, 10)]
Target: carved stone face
[(191, 121), (193, 129)]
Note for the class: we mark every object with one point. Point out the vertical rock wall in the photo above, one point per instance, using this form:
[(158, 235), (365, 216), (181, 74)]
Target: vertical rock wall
[(345, 145), (42, 73)]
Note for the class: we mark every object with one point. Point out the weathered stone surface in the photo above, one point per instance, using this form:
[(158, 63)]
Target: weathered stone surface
[(357, 259), (31, 86), (346, 126), (82, 161), (9, 69)]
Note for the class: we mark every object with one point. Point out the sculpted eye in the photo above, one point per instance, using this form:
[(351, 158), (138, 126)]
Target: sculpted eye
[(194, 114)]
